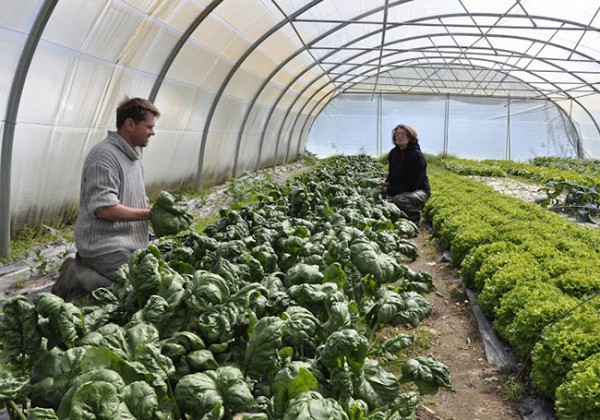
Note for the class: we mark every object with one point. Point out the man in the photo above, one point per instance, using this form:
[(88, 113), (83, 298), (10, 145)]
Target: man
[(114, 211)]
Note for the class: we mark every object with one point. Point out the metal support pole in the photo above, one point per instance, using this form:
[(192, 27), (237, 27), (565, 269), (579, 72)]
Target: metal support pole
[(508, 153), (446, 125), (12, 110), (379, 124)]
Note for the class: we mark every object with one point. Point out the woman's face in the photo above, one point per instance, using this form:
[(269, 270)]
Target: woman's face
[(401, 138)]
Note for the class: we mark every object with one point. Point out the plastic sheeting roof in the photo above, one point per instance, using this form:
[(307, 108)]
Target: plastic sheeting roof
[(239, 82)]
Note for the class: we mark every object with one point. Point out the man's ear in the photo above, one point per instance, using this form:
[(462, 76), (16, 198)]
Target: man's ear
[(129, 124)]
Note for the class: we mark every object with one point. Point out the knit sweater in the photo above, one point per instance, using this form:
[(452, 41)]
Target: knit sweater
[(112, 174), (407, 170)]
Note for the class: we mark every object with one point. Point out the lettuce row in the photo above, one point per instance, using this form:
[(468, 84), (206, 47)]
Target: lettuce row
[(531, 268)]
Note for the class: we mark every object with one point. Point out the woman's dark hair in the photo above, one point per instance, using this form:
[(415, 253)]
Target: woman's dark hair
[(136, 109), (413, 138)]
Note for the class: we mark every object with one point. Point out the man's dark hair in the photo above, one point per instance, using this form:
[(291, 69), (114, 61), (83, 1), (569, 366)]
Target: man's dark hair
[(136, 109)]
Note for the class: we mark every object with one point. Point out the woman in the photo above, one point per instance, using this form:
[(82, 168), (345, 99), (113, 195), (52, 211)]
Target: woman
[(407, 184)]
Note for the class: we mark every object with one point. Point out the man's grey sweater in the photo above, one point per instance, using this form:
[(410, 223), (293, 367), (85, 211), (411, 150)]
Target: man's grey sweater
[(112, 174)]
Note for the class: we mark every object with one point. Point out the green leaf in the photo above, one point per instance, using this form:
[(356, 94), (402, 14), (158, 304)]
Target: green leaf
[(428, 374), (334, 273), (290, 382), (170, 215), (261, 351), (11, 387), (199, 394), (312, 405), (97, 400), (20, 327), (345, 347), (141, 399)]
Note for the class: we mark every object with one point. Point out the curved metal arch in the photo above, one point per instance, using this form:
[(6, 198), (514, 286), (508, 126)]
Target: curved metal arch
[(361, 76), (576, 25), (482, 58), (533, 57), (300, 74), (178, 46), (551, 64), (584, 27), (493, 35), (10, 121), (228, 78)]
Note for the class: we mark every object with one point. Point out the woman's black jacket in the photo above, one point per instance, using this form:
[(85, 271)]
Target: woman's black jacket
[(407, 170)]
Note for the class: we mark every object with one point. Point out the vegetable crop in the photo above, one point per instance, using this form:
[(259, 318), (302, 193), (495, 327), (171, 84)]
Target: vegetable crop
[(270, 313), (170, 214), (537, 278)]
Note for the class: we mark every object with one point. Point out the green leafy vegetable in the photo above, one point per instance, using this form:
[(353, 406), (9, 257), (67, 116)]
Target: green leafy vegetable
[(199, 394), (170, 214), (428, 374)]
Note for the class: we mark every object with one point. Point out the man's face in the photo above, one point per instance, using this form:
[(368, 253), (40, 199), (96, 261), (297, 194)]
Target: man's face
[(142, 131)]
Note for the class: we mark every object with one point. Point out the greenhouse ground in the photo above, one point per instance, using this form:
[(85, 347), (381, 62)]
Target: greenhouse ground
[(480, 389)]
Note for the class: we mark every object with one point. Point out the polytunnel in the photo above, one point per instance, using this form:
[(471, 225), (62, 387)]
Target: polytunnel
[(242, 83)]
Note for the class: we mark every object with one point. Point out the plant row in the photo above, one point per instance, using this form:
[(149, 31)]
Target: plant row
[(538, 280), (589, 167), (538, 173), (271, 313), (571, 186)]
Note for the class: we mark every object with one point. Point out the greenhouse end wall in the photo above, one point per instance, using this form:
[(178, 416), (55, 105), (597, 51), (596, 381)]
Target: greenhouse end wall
[(474, 128)]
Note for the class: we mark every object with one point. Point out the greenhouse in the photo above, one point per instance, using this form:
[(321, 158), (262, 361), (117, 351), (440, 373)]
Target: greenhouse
[(270, 272)]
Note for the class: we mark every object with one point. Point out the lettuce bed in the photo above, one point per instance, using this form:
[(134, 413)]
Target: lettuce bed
[(538, 278)]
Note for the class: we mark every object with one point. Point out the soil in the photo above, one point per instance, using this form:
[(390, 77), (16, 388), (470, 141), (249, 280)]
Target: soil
[(477, 391)]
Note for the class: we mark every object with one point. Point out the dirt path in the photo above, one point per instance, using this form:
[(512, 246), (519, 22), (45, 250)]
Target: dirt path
[(476, 392)]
